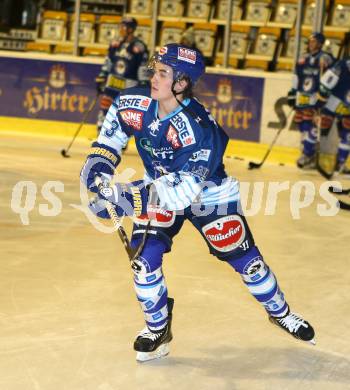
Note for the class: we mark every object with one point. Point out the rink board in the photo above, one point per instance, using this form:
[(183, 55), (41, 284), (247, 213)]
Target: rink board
[(49, 95)]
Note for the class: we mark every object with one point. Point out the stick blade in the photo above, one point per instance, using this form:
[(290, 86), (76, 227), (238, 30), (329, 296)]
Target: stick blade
[(335, 190), (253, 165), (64, 153), (343, 205), (322, 172)]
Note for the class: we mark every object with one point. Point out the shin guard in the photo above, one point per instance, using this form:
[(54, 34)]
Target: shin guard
[(261, 282), (150, 284)]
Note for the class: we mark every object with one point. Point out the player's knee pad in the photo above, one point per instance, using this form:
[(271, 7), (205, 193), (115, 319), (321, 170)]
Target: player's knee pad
[(260, 281), (150, 284)]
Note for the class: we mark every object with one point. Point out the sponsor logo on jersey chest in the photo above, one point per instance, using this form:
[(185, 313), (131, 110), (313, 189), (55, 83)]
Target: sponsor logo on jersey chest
[(173, 137), (184, 129), (134, 101), (132, 118)]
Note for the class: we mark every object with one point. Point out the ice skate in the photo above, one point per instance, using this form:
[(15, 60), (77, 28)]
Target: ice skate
[(295, 325), (151, 345), (306, 162), (341, 169)]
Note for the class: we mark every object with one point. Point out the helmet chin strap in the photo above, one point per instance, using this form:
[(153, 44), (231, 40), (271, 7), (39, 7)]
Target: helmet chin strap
[(204, 124), (176, 93)]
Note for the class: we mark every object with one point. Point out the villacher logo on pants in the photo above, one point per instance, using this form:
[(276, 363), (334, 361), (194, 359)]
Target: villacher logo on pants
[(226, 233)]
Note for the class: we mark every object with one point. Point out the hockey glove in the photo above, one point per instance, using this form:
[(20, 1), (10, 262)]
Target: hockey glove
[(128, 199), (319, 103), (291, 98), (101, 161), (322, 97)]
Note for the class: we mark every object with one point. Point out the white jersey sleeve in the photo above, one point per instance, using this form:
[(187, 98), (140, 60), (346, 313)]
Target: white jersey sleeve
[(112, 133)]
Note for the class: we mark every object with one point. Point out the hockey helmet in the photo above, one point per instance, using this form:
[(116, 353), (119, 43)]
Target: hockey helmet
[(183, 61), (320, 38), (129, 22)]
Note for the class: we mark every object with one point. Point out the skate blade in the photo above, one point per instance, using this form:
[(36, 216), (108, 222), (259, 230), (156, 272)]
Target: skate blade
[(312, 341), (160, 352)]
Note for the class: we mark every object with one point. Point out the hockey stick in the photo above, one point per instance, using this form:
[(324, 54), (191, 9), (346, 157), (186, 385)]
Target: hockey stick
[(342, 205), (327, 175), (340, 191), (320, 170), (132, 253), (64, 152), (253, 165)]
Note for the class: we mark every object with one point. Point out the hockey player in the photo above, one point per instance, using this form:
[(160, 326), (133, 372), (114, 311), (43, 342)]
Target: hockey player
[(302, 96), (125, 66), (334, 98), (182, 148)]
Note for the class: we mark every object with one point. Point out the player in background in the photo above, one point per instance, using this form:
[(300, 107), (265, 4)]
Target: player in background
[(188, 38), (303, 96), (182, 148), (334, 98), (125, 66)]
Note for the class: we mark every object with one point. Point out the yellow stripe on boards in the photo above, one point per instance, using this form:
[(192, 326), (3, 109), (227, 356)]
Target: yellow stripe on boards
[(256, 152), (241, 149), (46, 127)]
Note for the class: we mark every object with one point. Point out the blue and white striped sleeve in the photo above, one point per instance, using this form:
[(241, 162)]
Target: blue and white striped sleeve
[(112, 133), (177, 191)]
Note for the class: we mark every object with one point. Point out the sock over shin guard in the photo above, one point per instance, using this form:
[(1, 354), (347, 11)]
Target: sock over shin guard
[(309, 132), (344, 145), (261, 282), (150, 285)]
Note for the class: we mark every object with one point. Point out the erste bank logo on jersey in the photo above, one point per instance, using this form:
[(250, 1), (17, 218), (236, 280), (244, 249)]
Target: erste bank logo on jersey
[(134, 101), (185, 131)]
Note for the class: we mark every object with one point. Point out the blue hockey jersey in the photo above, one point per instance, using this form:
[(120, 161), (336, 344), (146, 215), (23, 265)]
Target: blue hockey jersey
[(180, 152), (308, 71), (306, 80), (126, 60), (336, 82)]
